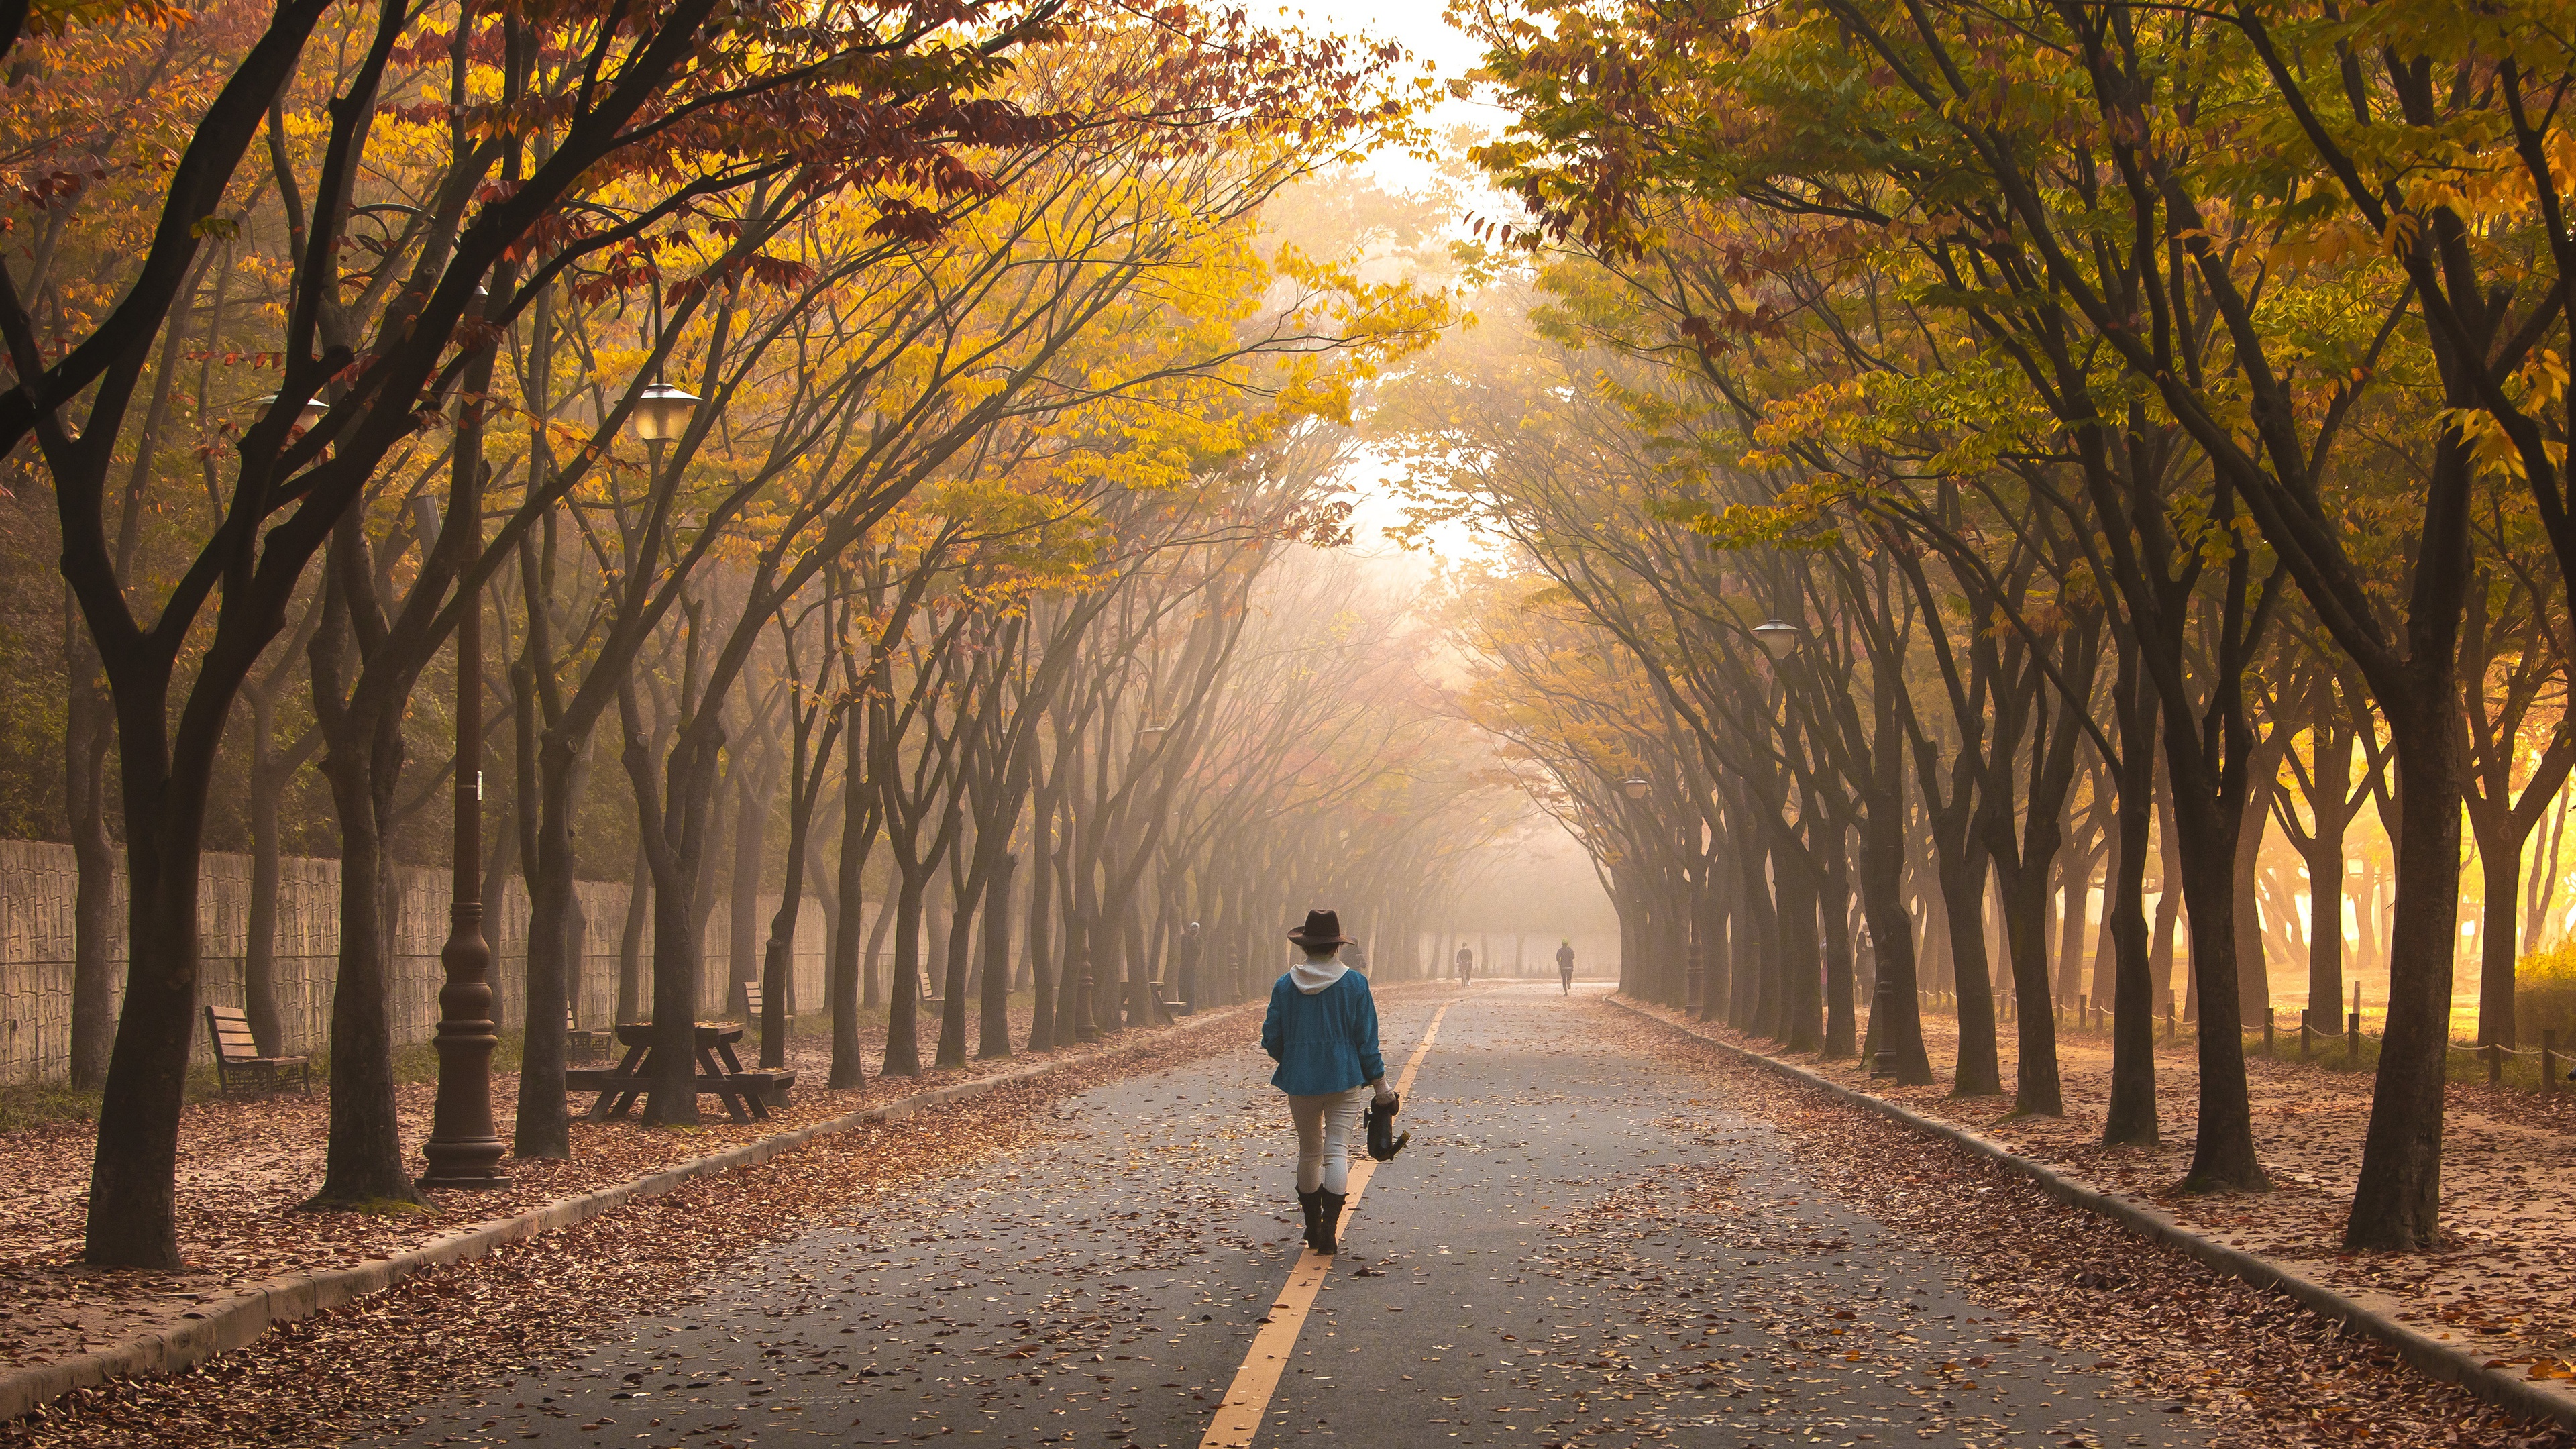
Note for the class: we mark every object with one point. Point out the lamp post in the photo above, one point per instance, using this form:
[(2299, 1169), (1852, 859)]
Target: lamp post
[(1636, 788), (464, 1150), (1882, 1024), (1692, 972)]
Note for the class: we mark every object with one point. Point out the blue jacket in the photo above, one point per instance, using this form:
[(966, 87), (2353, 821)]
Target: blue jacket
[(1323, 1043)]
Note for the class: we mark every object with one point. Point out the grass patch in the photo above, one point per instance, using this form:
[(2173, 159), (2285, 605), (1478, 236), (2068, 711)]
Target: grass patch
[(418, 1063), (24, 1105)]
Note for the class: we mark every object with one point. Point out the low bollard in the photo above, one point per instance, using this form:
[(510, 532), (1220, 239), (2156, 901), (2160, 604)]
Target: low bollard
[(2495, 1064), (2267, 1034), (2352, 1036), (2548, 1063)]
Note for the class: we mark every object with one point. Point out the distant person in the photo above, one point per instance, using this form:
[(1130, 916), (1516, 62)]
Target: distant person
[(1322, 1031), (1185, 965), (1565, 964), (1466, 962)]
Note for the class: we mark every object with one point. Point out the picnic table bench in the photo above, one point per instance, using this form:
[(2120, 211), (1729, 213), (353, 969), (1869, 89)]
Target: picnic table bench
[(746, 1094), (237, 1058)]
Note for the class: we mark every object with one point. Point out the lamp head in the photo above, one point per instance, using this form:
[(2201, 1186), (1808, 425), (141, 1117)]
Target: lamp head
[(1634, 788), (662, 412), (1778, 637), (307, 417)]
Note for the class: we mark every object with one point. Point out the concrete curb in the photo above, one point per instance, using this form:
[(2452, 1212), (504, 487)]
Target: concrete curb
[(2532, 1399), (257, 1307)]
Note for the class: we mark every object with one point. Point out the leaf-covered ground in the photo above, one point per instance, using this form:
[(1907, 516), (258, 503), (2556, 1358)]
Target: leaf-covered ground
[(2503, 1286), (245, 1165)]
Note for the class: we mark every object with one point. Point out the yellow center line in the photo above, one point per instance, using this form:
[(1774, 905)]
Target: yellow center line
[(1248, 1397)]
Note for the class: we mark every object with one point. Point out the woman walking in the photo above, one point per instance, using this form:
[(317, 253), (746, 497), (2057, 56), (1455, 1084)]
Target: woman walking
[(1322, 1031)]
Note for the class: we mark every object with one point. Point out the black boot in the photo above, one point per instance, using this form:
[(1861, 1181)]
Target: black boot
[(1313, 1203), (1328, 1222)]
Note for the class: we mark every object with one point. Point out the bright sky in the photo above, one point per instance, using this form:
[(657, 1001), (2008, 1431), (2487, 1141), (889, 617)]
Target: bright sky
[(1419, 26)]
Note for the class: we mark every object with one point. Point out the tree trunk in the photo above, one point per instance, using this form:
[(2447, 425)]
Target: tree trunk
[(1043, 1023), (1841, 1026), (1801, 954), (1882, 893), (133, 1202), (2253, 969), (544, 1125), (678, 945), (2075, 895), (872, 975), (630, 941), (857, 837), (954, 989), (2223, 1157), (993, 1037), (2325, 919), (364, 1162), (2131, 1117), (679, 857), (1979, 1072), (1758, 945), (2499, 928), (89, 732), (259, 947), (750, 849), (2396, 1204), (2035, 1079), (903, 1044), (2160, 959)]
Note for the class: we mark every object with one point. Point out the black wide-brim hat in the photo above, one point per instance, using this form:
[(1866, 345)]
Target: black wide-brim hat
[(1322, 928)]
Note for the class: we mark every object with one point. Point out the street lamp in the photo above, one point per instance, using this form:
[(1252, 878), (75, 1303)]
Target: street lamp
[(1152, 735), (1778, 638), (464, 1149), (1634, 788)]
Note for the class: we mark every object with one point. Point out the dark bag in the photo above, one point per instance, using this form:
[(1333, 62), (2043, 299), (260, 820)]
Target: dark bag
[(1383, 1143)]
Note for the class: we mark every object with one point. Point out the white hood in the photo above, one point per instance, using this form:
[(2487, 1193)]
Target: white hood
[(1314, 976)]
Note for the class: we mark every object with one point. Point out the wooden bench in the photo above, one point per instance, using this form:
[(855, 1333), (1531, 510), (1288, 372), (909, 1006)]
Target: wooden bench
[(582, 1044), (1172, 1005), (776, 1091), (238, 1064)]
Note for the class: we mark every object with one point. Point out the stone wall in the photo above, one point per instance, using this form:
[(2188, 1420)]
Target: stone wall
[(36, 951)]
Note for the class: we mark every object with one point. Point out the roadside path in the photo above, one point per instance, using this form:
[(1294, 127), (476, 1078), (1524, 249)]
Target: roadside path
[(1582, 1245)]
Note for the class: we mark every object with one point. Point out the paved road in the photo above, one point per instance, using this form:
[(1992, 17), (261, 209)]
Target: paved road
[(1579, 1247)]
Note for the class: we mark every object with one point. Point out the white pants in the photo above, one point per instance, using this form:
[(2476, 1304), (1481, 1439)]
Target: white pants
[(1326, 1128)]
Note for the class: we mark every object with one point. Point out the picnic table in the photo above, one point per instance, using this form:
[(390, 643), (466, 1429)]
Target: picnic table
[(719, 1072)]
